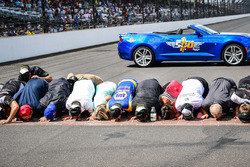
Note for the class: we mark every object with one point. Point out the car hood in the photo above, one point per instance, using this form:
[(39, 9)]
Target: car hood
[(235, 33)]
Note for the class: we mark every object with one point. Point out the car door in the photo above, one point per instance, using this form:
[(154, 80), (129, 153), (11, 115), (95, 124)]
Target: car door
[(186, 47)]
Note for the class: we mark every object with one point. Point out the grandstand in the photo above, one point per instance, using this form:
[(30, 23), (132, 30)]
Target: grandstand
[(24, 17)]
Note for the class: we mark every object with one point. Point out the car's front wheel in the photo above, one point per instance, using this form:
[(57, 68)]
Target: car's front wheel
[(143, 56), (234, 54)]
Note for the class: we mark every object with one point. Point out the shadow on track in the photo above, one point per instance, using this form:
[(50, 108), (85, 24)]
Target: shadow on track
[(189, 64)]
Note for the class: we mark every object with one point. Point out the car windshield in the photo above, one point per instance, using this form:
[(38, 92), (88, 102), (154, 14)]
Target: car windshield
[(206, 29)]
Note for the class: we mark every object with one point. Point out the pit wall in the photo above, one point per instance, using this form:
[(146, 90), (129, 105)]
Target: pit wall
[(22, 47)]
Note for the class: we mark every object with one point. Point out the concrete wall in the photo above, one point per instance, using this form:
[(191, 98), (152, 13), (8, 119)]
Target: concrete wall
[(15, 48)]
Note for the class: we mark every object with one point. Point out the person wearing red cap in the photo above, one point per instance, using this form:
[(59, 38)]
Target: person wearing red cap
[(9, 107), (26, 112), (29, 100)]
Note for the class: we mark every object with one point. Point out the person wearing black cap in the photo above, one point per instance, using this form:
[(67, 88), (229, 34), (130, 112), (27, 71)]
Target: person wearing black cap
[(9, 96), (192, 95), (147, 93), (81, 98), (98, 80), (218, 100), (141, 112), (116, 111), (26, 73)]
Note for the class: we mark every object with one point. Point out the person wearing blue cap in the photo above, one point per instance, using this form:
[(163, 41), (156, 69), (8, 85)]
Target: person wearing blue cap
[(55, 98), (49, 112)]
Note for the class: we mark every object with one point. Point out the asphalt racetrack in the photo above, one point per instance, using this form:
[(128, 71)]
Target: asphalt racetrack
[(126, 143)]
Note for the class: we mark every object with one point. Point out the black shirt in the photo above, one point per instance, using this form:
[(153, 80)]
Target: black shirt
[(245, 83), (36, 70), (11, 91), (220, 93), (148, 92)]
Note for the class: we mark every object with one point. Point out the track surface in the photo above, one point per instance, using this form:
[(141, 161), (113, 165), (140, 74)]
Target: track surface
[(226, 143)]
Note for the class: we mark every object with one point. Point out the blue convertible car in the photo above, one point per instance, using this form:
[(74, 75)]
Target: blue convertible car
[(197, 43)]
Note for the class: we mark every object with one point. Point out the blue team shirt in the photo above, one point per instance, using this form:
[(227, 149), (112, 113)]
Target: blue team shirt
[(124, 94)]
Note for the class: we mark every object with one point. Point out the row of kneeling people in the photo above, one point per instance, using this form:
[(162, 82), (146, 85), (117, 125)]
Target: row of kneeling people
[(36, 95)]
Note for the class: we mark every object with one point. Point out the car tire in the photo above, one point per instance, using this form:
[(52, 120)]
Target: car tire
[(143, 56), (234, 54)]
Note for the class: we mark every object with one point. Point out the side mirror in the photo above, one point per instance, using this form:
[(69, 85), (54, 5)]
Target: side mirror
[(197, 33)]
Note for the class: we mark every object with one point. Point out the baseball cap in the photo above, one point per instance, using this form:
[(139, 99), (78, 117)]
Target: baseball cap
[(25, 110), (50, 111), (244, 117), (141, 112), (24, 73), (116, 110), (186, 110), (165, 112), (72, 79), (75, 108)]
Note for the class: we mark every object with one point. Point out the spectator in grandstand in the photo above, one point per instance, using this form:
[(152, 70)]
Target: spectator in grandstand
[(120, 102), (190, 99), (31, 31), (147, 94), (17, 3), (80, 100), (54, 29), (26, 73), (4, 33), (218, 99), (9, 96), (29, 101), (92, 77), (12, 33)]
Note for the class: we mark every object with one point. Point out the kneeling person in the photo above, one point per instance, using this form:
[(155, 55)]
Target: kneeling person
[(80, 99), (121, 101), (146, 96)]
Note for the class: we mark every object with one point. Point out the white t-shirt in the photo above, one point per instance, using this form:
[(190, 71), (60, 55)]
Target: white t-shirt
[(191, 93), (83, 92)]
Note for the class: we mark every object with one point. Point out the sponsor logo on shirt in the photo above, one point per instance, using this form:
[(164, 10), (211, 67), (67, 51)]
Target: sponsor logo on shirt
[(120, 95)]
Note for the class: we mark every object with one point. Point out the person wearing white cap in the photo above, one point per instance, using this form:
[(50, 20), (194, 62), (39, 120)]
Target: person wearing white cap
[(26, 73), (80, 99), (192, 95)]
